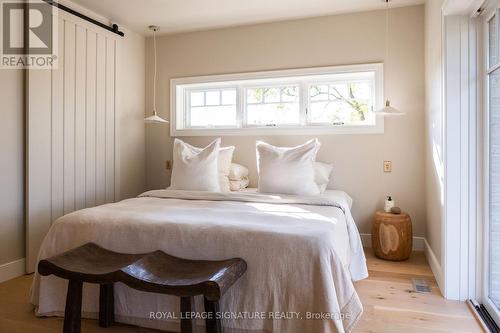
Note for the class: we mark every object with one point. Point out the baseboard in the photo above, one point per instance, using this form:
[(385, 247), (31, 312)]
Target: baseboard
[(418, 242), (435, 266), (12, 270)]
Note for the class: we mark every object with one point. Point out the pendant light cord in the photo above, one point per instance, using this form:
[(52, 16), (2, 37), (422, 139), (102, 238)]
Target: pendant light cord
[(154, 76), (386, 47)]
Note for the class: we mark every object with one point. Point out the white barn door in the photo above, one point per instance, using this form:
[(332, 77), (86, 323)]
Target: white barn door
[(70, 130)]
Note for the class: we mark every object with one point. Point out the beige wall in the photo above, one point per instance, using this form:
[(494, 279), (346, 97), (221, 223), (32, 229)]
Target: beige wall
[(434, 125), (325, 41), (130, 117), (11, 166)]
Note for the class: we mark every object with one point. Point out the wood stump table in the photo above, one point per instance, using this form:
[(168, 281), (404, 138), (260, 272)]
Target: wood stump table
[(392, 236)]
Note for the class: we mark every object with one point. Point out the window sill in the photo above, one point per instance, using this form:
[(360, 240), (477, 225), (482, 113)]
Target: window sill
[(312, 130)]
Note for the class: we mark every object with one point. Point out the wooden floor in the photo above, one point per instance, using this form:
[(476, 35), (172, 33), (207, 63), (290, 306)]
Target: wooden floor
[(390, 306)]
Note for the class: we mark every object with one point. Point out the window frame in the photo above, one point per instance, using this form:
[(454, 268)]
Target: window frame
[(242, 81), (489, 69)]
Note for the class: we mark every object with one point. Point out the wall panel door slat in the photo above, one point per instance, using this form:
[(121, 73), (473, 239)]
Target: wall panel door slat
[(70, 130), (80, 130), (90, 124), (101, 122), (69, 117), (110, 120)]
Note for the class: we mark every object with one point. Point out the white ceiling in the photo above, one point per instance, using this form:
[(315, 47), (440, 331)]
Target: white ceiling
[(188, 15)]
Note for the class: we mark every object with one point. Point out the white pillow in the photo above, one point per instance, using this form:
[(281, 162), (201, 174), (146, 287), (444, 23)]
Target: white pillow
[(287, 170), (224, 164), (238, 185), (237, 172), (224, 183), (322, 173), (195, 170)]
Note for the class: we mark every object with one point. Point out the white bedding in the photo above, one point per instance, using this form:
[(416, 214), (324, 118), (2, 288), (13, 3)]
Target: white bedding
[(302, 255)]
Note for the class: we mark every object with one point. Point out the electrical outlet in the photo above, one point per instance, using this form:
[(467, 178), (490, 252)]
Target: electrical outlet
[(168, 165), (387, 166)]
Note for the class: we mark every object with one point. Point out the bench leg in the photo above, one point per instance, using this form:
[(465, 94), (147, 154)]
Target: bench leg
[(213, 324), (73, 311), (187, 307), (106, 305)]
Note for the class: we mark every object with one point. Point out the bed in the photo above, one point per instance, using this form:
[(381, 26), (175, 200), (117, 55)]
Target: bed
[(303, 254)]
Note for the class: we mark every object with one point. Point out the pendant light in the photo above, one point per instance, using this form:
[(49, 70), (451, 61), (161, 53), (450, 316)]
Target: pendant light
[(388, 110), (154, 119)]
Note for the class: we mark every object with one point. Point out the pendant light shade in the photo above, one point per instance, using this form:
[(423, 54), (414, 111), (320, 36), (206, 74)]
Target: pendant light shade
[(154, 119), (387, 110)]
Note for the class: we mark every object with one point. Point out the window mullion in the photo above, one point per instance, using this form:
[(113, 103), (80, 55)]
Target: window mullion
[(304, 103), (241, 112), (187, 111)]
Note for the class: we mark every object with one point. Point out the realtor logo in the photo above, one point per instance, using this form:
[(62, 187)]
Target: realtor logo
[(28, 34)]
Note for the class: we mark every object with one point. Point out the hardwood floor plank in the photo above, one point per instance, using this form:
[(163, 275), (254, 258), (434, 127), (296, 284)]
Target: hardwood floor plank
[(400, 296), (380, 319), (390, 305)]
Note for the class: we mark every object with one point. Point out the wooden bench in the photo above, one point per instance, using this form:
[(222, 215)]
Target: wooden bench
[(155, 272)]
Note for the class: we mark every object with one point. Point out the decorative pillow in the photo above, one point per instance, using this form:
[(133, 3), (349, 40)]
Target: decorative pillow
[(224, 183), (237, 172), (195, 170), (287, 170), (322, 173), (238, 185), (224, 164)]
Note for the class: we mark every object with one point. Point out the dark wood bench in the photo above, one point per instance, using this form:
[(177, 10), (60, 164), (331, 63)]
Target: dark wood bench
[(155, 272)]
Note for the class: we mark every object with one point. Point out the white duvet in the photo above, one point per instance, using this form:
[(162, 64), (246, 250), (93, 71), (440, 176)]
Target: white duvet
[(302, 254)]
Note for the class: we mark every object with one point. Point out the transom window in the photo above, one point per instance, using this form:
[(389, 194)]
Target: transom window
[(272, 106), (214, 107), (319, 100), (348, 102)]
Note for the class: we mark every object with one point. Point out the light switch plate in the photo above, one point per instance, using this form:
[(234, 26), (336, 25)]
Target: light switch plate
[(387, 166)]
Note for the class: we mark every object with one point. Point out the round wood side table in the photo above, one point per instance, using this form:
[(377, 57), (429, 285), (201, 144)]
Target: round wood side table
[(392, 236)]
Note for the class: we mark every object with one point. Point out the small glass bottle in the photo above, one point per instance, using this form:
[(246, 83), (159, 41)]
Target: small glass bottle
[(389, 203)]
